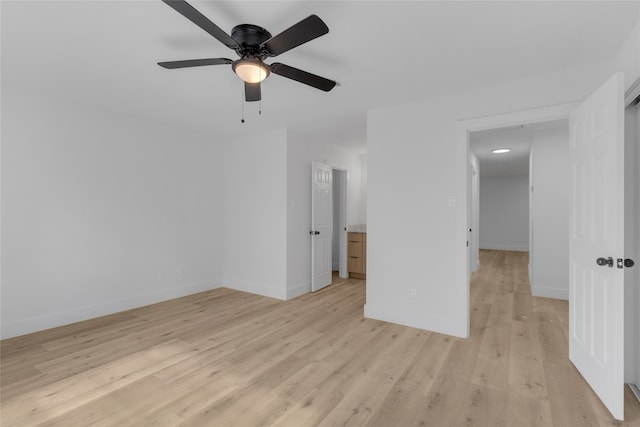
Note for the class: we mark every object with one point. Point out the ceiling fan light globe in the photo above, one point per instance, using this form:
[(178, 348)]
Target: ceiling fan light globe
[(250, 71)]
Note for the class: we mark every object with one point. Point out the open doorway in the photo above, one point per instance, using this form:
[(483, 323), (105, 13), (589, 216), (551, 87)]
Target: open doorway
[(631, 197), (523, 198), (328, 220)]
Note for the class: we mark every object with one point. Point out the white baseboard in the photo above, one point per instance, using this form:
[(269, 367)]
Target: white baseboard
[(501, 247), (425, 322), (298, 290), (541, 291), (52, 320), (263, 289)]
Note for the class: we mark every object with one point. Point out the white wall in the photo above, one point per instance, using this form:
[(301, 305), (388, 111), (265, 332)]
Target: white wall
[(267, 209), (255, 214), (101, 213), (627, 58), (504, 212), (414, 222), (359, 192), (549, 256)]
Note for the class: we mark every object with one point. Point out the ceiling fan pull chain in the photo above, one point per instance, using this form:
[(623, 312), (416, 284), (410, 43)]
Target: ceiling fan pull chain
[(242, 106)]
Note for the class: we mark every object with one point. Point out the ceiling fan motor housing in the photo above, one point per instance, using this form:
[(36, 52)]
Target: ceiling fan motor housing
[(249, 38)]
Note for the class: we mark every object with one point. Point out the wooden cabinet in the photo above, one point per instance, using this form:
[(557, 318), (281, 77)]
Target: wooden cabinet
[(357, 252)]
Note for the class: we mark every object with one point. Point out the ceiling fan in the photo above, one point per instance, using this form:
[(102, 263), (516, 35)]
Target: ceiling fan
[(254, 44)]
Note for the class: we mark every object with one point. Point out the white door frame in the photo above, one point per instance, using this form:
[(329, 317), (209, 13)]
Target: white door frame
[(469, 219), (342, 270), (632, 337), (474, 243), (463, 130)]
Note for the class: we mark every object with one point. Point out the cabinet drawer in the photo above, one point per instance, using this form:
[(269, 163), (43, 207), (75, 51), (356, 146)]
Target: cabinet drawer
[(355, 237), (355, 249), (357, 258), (355, 264)]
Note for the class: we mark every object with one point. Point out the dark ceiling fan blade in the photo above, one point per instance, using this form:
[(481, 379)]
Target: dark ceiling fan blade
[(300, 33), (189, 12), (252, 92), (194, 63), (302, 76)]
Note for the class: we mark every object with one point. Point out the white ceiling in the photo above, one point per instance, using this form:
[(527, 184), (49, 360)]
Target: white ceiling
[(103, 55), (517, 138)]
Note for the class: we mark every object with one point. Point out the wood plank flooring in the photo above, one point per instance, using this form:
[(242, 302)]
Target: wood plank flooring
[(228, 358)]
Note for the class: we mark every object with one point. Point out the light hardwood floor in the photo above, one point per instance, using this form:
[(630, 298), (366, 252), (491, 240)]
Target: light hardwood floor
[(225, 357)]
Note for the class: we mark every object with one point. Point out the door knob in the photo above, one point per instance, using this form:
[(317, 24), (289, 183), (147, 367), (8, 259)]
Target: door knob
[(605, 261), (629, 262)]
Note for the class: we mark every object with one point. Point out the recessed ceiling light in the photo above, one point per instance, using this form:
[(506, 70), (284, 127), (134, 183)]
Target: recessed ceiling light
[(501, 150)]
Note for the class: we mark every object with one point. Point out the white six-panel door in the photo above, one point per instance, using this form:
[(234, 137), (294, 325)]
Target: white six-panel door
[(321, 225), (596, 292)]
